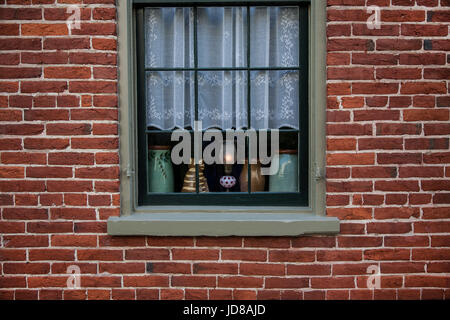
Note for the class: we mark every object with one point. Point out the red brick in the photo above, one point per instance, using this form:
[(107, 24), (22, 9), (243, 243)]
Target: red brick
[(104, 44), (396, 213), (26, 268), (72, 213), (97, 173), (398, 129), (92, 87), (339, 255), (52, 255), (402, 267), (94, 114), (426, 115), (356, 242), (240, 282), (19, 73), (12, 227), (333, 282), (374, 172), (406, 241), (21, 129), (10, 144), (69, 186), (350, 73), (123, 294), (147, 254), (351, 186), (350, 213), (43, 86), (398, 44), (41, 29), (352, 102), (396, 199), (146, 281), (73, 240), (309, 269), (92, 58), (67, 72), (50, 227), (176, 267), (291, 282), (18, 213), (13, 282), (245, 255), (422, 59), (66, 44), (45, 57), (374, 58), (426, 143), (40, 144), (68, 129), (350, 159), (399, 73), (261, 269), (70, 158), (100, 255), (12, 172), (24, 241), (389, 227), (387, 254)]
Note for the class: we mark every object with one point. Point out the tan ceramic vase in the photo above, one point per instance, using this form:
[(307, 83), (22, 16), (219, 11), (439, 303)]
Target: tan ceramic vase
[(189, 184), (258, 180)]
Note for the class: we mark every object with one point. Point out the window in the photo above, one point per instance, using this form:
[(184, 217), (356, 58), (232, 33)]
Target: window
[(246, 70), (228, 68)]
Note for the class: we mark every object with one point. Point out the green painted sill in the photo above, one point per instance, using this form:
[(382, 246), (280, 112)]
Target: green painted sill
[(220, 223)]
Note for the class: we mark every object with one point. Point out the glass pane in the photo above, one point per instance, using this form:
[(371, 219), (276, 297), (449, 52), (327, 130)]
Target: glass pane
[(170, 99), (169, 37), (277, 169), (224, 162), (274, 36), (222, 37), (222, 99), (274, 99)]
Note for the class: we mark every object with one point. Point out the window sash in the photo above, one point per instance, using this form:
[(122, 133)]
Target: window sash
[(299, 198)]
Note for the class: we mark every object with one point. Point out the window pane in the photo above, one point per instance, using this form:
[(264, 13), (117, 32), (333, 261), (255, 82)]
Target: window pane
[(283, 177), (169, 37), (222, 99), (165, 176), (274, 36), (222, 37), (274, 99), (223, 159), (170, 99)]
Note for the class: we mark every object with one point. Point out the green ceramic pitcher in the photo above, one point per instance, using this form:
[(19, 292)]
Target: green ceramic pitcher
[(286, 179), (160, 170)]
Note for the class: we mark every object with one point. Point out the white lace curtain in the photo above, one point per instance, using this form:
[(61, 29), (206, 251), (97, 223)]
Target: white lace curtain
[(222, 43)]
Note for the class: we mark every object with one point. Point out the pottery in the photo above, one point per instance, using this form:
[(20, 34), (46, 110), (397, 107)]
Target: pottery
[(228, 182), (160, 170), (189, 184), (286, 179), (258, 181)]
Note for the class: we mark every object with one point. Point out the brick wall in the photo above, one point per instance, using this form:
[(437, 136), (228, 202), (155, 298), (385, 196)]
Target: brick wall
[(387, 152)]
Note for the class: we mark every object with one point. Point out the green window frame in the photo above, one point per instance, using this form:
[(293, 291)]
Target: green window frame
[(250, 198), (196, 215)]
